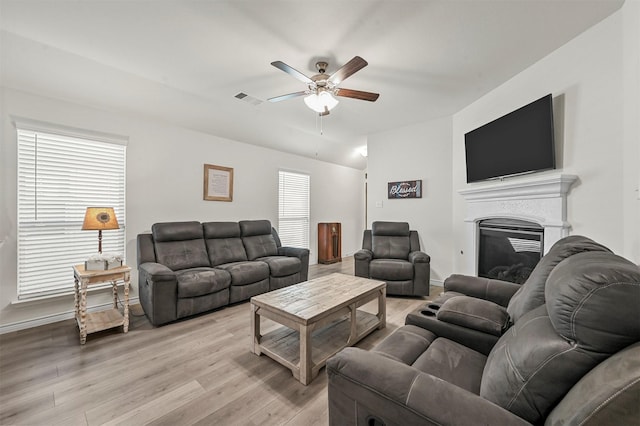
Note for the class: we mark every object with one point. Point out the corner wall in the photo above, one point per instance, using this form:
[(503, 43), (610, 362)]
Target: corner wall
[(164, 183), (595, 136)]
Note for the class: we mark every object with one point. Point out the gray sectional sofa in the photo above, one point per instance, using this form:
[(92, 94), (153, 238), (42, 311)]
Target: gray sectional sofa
[(573, 359), (186, 268)]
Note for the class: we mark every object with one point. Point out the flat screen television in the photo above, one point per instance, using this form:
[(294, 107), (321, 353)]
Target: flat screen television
[(517, 143)]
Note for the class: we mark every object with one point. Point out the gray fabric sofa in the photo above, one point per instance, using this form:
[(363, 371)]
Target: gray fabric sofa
[(186, 268), (574, 360), (391, 252), (476, 311)]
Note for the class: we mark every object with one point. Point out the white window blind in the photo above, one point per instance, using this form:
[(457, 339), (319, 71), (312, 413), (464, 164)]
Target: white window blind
[(59, 176), (293, 216)]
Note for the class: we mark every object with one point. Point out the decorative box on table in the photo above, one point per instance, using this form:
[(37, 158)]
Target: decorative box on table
[(102, 262)]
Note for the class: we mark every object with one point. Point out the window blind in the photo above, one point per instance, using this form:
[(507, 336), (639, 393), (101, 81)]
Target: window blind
[(293, 210), (59, 176)]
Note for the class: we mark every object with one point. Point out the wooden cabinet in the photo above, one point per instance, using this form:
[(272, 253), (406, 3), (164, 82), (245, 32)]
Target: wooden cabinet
[(329, 242)]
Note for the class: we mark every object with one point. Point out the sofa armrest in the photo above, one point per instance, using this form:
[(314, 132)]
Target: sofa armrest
[(300, 253), (421, 272), (476, 314), (368, 386), (419, 257), (158, 291), (496, 291), (362, 258), (293, 252), (426, 318)]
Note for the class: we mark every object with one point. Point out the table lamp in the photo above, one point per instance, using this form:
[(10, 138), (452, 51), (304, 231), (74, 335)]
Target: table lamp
[(99, 218)]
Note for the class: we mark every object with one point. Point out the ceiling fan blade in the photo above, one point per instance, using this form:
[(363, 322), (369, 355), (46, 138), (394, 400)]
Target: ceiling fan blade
[(348, 69), (287, 96), (291, 71), (357, 94)]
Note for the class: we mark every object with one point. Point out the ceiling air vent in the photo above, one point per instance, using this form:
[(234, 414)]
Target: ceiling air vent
[(250, 99)]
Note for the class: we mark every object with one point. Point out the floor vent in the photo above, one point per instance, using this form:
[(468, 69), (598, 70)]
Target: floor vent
[(250, 99)]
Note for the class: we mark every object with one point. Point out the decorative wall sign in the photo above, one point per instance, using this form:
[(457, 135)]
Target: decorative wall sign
[(218, 183), (405, 189)]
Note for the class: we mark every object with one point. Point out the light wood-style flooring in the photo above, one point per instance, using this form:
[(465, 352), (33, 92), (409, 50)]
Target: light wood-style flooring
[(197, 371)]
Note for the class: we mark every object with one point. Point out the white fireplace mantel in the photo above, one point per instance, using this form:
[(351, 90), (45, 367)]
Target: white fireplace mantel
[(542, 200)]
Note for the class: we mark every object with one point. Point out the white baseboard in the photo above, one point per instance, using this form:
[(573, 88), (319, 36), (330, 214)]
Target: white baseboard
[(437, 283), (50, 319)]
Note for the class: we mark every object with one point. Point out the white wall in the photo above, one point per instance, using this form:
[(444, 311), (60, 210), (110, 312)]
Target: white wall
[(422, 151), (164, 183), (631, 127), (591, 101)]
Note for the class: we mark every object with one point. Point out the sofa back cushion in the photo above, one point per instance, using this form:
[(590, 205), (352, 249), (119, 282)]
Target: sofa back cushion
[(531, 294), (590, 313), (257, 238), (180, 245), (224, 243), (390, 240)]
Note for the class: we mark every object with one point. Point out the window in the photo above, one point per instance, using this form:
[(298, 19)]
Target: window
[(61, 172), (293, 210)]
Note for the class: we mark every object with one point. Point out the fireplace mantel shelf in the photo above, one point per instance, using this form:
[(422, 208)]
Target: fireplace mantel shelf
[(549, 186)]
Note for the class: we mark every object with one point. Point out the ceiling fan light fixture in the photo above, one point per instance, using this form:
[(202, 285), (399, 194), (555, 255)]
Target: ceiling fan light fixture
[(320, 102)]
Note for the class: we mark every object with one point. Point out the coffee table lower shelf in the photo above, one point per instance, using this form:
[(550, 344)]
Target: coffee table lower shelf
[(283, 344)]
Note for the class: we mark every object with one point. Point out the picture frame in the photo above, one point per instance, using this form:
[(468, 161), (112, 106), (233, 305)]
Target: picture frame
[(218, 183), (404, 189)]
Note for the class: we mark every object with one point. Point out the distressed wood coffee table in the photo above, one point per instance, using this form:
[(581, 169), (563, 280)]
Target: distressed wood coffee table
[(320, 316)]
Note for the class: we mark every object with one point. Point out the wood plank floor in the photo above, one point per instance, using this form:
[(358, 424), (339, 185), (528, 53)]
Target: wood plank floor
[(194, 372)]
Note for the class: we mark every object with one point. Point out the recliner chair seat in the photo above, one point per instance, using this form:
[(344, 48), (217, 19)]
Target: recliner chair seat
[(391, 269)]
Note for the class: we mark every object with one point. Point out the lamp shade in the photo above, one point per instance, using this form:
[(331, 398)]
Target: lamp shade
[(99, 218)]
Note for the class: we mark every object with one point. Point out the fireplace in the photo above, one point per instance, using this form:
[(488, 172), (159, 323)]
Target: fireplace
[(540, 201), (508, 249)]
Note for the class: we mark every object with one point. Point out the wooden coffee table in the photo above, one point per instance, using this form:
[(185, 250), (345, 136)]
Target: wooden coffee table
[(320, 316)]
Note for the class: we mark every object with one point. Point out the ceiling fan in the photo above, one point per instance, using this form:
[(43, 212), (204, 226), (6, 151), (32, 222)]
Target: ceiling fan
[(321, 87)]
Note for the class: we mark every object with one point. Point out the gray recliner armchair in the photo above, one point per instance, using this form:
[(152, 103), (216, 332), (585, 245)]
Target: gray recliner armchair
[(575, 360), (476, 311), (391, 252)]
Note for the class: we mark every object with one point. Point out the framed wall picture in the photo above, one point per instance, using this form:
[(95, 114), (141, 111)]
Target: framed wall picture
[(218, 183), (405, 189)]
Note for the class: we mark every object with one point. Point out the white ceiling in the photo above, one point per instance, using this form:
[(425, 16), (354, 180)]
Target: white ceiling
[(184, 61)]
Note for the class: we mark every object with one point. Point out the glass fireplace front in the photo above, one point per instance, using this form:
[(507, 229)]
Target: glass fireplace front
[(509, 249)]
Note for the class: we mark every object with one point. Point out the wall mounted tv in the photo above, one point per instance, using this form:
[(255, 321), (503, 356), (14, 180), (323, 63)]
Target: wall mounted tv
[(516, 143)]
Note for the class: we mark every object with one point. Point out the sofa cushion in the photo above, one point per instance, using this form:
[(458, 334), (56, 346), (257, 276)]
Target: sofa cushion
[(594, 299), (221, 230), (224, 244), (282, 266), (201, 281), (531, 294), (453, 363), (391, 269), (405, 344), (249, 228), (257, 238), (607, 395), (180, 245), (477, 314), (390, 240), (243, 273)]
